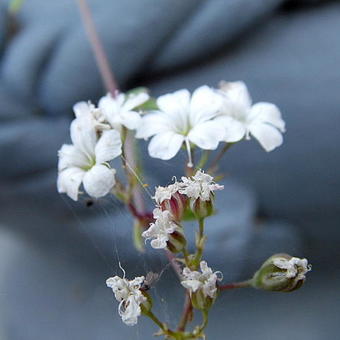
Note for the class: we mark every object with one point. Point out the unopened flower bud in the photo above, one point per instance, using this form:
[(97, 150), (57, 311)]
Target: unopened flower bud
[(202, 209), (176, 241), (176, 205), (281, 272)]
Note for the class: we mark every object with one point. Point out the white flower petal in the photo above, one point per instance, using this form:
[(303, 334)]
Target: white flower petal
[(207, 135), (165, 145), (237, 92), (99, 180), (174, 103), (267, 113), (234, 130), (70, 156), (268, 136), (82, 109), (130, 119), (204, 105), (193, 285), (83, 135), (135, 100), (153, 124), (69, 181), (108, 147)]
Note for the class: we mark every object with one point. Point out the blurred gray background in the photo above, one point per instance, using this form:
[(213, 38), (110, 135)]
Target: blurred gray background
[(55, 255)]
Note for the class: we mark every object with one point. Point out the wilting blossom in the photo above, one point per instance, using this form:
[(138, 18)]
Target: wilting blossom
[(201, 186), (159, 232), (204, 280), (129, 295)]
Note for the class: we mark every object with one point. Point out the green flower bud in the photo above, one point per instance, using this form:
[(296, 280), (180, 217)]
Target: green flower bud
[(281, 272), (202, 209)]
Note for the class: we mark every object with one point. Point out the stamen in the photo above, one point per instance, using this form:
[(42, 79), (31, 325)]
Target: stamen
[(187, 143)]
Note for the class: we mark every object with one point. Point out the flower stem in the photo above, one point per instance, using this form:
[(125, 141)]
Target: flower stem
[(214, 163), (234, 285), (97, 47), (187, 313), (199, 243)]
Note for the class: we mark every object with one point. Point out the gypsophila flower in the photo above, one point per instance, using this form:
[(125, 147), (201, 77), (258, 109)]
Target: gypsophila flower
[(86, 160), (241, 119), (294, 267), (281, 272), (200, 185), (121, 110), (129, 296), (161, 229), (205, 280), (87, 109), (182, 119), (165, 193)]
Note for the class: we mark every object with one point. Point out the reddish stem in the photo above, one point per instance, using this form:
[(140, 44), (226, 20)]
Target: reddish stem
[(234, 285), (187, 313), (97, 47)]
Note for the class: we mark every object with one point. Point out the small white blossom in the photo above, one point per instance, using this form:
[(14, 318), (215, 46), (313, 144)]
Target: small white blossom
[(295, 267), (85, 161), (129, 296), (204, 280), (120, 110), (240, 118), (161, 230), (201, 186), (182, 119), (165, 193), (87, 109)]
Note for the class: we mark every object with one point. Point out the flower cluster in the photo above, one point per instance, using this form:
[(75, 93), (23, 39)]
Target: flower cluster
[(130, 297), (171, 204), (96, 141), (208, 117)]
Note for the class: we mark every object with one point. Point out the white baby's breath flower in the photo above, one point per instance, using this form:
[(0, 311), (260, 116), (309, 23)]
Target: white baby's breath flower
[(200, 186), (295, 267), (87, 109), (161, 230), (205, 280), (182, 119), (240, 118), (85, 161), (129, 296), (165, 193), (121, 110)]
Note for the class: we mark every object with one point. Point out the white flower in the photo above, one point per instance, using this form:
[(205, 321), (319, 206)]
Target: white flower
[(87, 109), (120, 110), (182, 119), (161, 230), (204, 280), (201, 186), (86, 160), (295, 267), (165, 193), (240, 118), (129, 296)]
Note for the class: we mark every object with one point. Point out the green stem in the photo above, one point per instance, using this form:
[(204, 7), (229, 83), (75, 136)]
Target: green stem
[(203, 160), (199, 243)]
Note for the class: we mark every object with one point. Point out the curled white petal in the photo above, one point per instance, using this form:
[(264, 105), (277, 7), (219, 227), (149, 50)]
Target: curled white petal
[(129, 296), (159, 232)]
